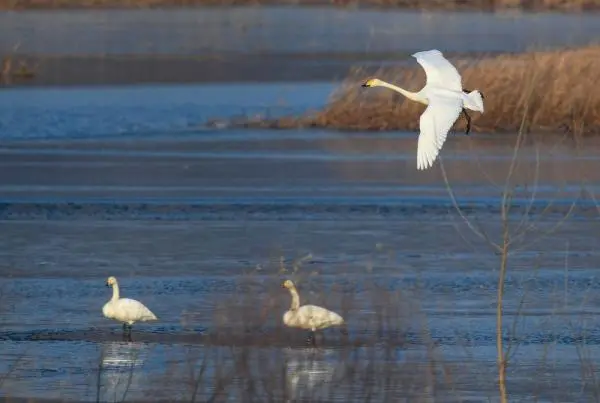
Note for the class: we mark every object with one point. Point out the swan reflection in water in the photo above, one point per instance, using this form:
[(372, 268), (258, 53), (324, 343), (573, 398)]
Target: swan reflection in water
[(308, 371), (120, 369)]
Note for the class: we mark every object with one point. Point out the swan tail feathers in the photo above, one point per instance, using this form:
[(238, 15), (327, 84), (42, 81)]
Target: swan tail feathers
[(474, 101)]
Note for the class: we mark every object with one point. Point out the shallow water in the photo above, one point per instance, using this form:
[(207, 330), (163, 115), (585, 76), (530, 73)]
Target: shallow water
[(194, 222), (147, 110), (282, 30)]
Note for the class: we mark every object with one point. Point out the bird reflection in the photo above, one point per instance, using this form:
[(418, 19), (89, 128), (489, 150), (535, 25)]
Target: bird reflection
[(307, 369), (119, 371)]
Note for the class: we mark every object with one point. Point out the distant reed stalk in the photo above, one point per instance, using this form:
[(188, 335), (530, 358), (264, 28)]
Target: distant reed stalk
[(6, 70)]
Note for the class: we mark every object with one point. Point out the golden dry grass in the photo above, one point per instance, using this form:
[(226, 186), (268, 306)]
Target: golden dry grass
[(11, 69), (488, 5), (543, 91)]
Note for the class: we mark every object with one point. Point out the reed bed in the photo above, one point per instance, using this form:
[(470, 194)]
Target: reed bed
[(488, 5), (535, 91)]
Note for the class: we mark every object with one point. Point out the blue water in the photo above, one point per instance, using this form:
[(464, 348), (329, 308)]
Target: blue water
[(202, 225), (146, 110)]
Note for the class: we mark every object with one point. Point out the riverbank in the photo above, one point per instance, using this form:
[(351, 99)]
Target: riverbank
[(472, 5)]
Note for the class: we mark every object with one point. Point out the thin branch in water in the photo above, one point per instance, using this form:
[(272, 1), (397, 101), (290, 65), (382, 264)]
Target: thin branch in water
[(480, 233), (536, 177)]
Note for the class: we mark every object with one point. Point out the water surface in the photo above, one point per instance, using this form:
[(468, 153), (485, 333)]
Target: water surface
[(203, 225), (283, 30)]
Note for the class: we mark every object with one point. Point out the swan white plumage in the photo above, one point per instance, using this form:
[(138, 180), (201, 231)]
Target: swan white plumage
[(310, 317), (445, 99), (125, 310)]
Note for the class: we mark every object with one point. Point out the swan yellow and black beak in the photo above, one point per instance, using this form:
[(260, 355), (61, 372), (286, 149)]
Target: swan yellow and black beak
[(368, 83)]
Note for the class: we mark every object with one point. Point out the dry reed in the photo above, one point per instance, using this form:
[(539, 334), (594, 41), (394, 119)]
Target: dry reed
[(556, 88), (488, 5), (18, 70)]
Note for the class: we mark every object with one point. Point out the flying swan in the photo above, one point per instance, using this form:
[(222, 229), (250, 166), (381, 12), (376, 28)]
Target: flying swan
[(310, 317), (125, 310), (445, 99)]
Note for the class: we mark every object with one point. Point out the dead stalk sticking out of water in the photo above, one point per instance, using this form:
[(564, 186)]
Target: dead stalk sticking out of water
[(512, 237)]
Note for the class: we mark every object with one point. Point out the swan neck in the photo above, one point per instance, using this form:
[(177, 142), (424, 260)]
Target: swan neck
[(295, 299), (408, 94), (115, 288)]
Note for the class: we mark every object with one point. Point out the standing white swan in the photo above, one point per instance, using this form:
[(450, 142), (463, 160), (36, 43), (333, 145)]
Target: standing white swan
[(445, 97), (309, 317), (125, 310)]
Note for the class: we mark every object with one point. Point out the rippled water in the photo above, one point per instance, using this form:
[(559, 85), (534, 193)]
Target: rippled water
[(203, 225), (145, 111)]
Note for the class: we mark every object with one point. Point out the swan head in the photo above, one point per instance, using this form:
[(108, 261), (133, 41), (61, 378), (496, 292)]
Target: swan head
[(288, 284), (372, 82), (110, 281)]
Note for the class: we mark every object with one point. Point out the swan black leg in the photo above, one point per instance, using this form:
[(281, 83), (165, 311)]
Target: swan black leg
[(312, 339), (464, 111), (126, 332)]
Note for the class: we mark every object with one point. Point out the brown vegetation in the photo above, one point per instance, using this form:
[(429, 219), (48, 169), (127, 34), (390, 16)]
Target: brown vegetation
[(11, 68), (535, 91), (488, 5)]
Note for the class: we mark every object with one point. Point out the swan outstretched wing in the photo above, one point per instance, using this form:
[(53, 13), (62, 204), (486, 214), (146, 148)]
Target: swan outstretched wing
[(435, 122), (440, 72)]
